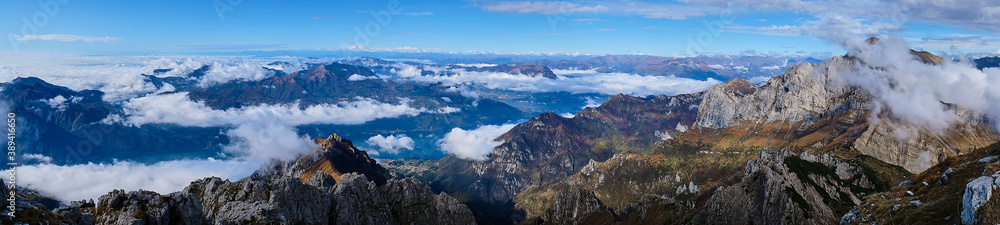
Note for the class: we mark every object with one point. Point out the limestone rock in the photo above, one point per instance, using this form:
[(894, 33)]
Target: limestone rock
[(977, 192)]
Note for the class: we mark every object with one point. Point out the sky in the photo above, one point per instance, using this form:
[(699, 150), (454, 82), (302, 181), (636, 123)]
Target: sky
[(681, 27)]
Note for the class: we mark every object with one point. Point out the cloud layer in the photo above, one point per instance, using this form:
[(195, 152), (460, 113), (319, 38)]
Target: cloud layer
[(177, 108), (89, 181), (914, 91), (476, 144), (573, 81)]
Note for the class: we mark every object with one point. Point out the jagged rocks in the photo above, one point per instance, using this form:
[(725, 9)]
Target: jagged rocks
[(780, 188), (249, 201), (414, 201), (799, 93), (147, 207), (74, 212), (335, 156), (282, 193), (571, 207), (355, 200), (359, 202)]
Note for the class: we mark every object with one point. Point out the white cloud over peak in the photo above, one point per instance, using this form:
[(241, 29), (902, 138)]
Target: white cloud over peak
[(391, 144), (474, 144), (913, 91)]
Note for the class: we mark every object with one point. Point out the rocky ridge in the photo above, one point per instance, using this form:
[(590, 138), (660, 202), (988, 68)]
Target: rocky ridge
[(286, 196)]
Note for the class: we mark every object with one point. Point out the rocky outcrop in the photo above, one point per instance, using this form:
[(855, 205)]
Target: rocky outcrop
[(147, 207), (283, 195), (335, 156), (958, 190), (354, 200), (411, 200), (77, 211), (800, 93), (815, 107), (779, 188), (977, 192)]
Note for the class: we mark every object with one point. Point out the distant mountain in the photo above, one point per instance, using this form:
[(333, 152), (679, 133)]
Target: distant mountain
[(525, 69), (716, 67), (987, 62), (70, 129), (66, 125)]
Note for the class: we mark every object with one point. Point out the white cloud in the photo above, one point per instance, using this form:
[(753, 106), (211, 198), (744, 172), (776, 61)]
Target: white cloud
[(56, 102), (224, 72), (407, 71), (554, 7), (68, 38), (391, 144), (592, 102), (267, 138), (358, 77), (36, 158), (177, 108), (90, 181), (574, 81), (474, 144), (913, 91), (606, 30)]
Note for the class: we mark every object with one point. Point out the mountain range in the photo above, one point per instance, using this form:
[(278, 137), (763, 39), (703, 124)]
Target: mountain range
[(804, 148)]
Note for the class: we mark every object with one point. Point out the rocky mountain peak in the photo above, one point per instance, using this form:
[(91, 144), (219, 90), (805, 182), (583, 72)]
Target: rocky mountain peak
[(278, 195), (334, 156)]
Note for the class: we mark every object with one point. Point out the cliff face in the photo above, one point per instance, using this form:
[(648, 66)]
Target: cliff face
[(289, 193), (812, 107), (780, 188)]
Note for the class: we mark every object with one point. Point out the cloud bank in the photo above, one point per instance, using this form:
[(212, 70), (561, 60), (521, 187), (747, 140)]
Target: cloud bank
[(89, 181), (573, 81), (177, 108), (476, 144), (913, 91), (391, 144)]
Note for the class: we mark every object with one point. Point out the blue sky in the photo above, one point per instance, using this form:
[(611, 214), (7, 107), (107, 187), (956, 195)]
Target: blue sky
[(597, 27)]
